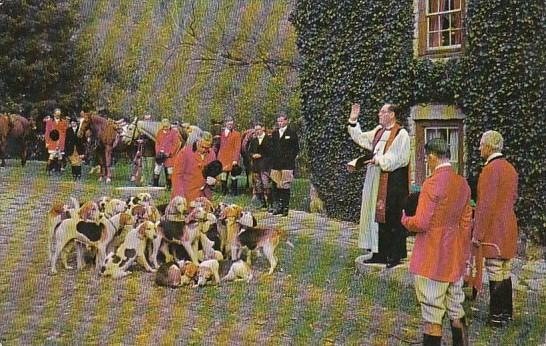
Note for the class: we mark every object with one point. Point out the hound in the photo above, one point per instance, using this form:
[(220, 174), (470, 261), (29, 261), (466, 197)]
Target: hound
[(117, 265)]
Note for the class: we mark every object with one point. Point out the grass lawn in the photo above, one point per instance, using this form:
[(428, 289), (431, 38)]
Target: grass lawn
[(315, 297)]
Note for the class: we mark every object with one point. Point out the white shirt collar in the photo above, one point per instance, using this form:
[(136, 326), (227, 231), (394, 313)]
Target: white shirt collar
[(281, 131), (492, 156), (447, 164)]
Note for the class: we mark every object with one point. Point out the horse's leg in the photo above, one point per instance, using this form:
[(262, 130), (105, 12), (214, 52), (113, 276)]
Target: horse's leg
[(101, 160), (2, 158), (108, 157), (24, 152)]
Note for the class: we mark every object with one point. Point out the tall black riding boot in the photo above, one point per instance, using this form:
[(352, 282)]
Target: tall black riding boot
[(459, 332), (156, 180), (224, 187), (261, 201), (168, 182), (507, 307), (273, 197), (279, 208), (431, 340), (286, 202), (74, 172), (78, 172), (233, 187), (49, 166), (495, 303)]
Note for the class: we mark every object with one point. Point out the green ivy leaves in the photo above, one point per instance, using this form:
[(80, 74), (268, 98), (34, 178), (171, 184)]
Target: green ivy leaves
[(361, 51)]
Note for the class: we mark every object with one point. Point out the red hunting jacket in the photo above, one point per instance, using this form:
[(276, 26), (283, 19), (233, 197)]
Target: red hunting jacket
[(495, 219), (230, 149), (169, 142), (60, 126), (188, 178), (443, 223)]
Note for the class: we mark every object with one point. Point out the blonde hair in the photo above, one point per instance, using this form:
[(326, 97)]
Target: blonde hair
[(493, 139)]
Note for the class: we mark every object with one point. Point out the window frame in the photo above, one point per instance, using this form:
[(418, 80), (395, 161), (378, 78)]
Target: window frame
[(423, 39), (420, 126)]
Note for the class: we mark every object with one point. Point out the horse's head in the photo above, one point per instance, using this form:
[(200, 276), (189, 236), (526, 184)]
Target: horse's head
[(85, 124)]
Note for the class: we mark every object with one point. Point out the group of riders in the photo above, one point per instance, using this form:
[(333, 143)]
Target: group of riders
[(153, 146)]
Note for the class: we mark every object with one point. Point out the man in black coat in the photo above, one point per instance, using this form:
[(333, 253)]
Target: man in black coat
[(74, 149), (284, 149), (259, 151)]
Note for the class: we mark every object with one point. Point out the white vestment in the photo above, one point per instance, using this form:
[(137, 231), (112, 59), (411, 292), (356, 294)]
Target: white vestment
[(397, 156)]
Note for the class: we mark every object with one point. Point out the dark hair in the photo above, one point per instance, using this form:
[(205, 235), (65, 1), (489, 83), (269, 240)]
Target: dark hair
[(395, 108), (282, 114), (259, 124), (438, 147)]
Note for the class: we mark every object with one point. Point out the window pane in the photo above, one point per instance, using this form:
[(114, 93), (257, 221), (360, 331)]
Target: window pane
[(445, 38), (456, 22), (456, 4), (433, 6), (434, 40), (434, 23), (445, 21), (454, 145), (444, 5), (456, 36)]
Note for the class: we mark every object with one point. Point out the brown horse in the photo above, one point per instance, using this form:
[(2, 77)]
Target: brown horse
[(104, 131), (15, 128)]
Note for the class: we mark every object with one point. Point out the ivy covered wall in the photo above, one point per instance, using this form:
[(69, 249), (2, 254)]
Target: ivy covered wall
[(361, 51)]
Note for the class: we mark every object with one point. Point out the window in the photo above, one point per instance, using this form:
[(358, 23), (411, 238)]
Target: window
[(451, 135), (440, 26), (451, 131)]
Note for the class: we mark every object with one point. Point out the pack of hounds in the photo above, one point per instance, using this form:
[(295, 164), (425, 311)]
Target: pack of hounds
[(189, 239)]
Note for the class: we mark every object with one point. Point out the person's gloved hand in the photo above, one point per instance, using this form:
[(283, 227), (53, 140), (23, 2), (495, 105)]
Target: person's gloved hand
[(211, 180)]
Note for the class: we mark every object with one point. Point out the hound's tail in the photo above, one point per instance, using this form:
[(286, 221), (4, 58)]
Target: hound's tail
[(74, 214), (284, 236)]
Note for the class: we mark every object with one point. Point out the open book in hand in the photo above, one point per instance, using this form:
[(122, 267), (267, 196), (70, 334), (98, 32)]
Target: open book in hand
[(358, 163)]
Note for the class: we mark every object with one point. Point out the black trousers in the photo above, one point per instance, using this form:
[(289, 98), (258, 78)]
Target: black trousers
[(392, 242)]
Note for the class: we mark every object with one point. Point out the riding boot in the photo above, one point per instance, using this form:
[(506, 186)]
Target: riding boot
[(279, 208), (286, 202), (78, 172), (261, 201), (156, 180), (495, 303), (507, 306), (431, 340), (224, 187), (168, 182), (273, 199), (459, 332), (63, 163), (234, 187), (74, 172), (267, 199)]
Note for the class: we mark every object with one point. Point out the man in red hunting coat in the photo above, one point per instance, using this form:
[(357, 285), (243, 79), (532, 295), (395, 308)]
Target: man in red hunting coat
[(167, 143), (188, 178), (442, 222), (495, 223), (229, 154), (55, 136)]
